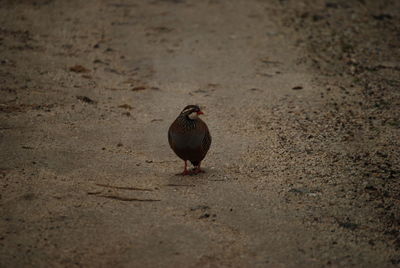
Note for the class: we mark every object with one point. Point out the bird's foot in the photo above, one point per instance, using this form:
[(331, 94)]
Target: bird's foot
[(193, 171), (197, 170), (184, 173)]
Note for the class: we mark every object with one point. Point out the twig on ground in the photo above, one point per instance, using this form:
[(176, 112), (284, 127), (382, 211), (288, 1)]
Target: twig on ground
[(94, 193), (124, 187), (187, 185), (121, 198)]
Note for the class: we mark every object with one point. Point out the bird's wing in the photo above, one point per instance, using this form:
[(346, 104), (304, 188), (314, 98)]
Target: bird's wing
[(206, 140)]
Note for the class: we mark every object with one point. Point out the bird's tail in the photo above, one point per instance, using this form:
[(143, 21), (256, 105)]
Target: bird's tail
[(195, 163)]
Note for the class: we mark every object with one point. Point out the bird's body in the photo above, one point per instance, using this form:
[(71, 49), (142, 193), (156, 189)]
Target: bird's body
[(189, 137)]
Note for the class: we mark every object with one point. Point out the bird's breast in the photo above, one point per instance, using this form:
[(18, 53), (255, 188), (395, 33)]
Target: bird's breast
[(188, 140)]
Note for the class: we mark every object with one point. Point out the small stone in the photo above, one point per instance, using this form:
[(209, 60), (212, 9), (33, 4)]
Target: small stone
[(86, 99), (79, 69), (204, 216)]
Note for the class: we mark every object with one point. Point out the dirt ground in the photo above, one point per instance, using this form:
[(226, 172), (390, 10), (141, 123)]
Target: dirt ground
[(301, 98)]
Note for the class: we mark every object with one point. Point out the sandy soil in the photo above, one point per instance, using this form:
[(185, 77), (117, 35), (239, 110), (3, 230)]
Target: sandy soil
[(301, 98)]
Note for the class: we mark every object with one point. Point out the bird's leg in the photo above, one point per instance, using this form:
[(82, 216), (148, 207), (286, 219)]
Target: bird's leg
[(185, 171), (197, 169)]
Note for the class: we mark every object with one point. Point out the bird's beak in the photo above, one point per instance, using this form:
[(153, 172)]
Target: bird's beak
[(200, 112)]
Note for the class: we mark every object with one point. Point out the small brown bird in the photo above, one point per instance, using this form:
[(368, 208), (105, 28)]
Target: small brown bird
[(189, 137)]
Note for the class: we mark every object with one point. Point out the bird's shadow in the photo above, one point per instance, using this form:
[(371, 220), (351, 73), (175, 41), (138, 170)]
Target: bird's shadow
[(190, 180)]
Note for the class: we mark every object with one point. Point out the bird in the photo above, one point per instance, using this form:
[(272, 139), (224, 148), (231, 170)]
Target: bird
[(190, 138)]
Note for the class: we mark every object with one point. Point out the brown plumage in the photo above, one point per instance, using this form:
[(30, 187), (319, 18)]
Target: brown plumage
[(189, 137)]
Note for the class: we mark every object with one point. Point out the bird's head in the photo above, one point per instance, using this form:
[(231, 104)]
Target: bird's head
[(192, 112)]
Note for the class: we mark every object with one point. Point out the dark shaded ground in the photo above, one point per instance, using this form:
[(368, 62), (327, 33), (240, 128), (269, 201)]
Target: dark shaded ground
[(302, 99), (355, 45)]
